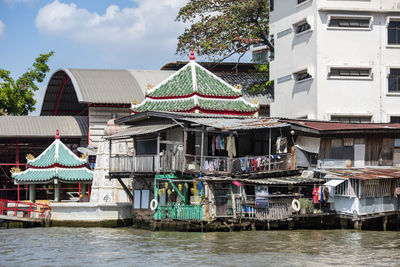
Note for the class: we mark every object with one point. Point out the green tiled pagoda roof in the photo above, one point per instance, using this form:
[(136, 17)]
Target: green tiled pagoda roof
[(180, 84), (57, 154), (167, 105), (195, 88), (210, 85), (228, 105), (69, 175)]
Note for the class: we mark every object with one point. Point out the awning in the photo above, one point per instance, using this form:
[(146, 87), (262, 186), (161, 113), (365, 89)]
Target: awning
[(334, 182), (309, 144), (140, 130)]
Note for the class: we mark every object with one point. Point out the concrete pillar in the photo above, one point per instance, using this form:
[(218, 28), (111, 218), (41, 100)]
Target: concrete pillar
[(385, 220), (358, 225), (343, 223), (32, 193), (290, 225), (57, 192)]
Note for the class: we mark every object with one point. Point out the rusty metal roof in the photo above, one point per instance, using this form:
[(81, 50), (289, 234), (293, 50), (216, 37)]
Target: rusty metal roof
[(290, 180), (282, 181), (325, 126), (370, 173), (140, 130), (225, 123)]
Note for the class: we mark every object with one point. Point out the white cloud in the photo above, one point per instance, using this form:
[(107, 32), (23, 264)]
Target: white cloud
[(2, 26), (148, 24)]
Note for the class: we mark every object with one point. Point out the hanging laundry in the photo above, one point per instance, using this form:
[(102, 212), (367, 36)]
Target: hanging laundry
[(315, 195), (206, 165), (321, 193), (233, 147), (213, 145), (236, 183), (218, 143)]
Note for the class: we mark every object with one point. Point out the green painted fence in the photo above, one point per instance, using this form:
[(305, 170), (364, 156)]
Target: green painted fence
[(177, 211)]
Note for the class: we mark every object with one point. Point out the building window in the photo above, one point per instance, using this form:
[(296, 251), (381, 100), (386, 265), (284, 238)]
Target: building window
[(260, 56), (350, 22), (394, 32), (395, 119), (352, 119), (271, 5), (272, 53), (302, 27), (394, 81), (301, 76), (349, 72), (301, 1)]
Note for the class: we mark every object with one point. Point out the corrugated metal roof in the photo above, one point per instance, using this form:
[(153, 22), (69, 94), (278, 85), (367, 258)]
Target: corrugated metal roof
[(113, 86), (140, 130), (42, 126), (282, 181), (334, 182), (261, 99), (150, 77), (238, 124), (338, 126), (290, 180), (365, 173)]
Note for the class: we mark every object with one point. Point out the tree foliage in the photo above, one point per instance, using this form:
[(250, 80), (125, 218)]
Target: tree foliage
[(222, 28), (264, 85), (17, 96)]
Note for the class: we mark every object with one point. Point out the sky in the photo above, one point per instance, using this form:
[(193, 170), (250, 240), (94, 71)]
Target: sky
[(102, 34)]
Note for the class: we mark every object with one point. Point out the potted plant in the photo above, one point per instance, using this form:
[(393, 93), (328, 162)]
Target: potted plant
[(304, 204)]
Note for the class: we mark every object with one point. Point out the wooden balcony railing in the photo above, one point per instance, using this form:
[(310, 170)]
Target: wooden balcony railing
[(249, 164), (175, 161), (144, 163), (121, 163), (168, 162)]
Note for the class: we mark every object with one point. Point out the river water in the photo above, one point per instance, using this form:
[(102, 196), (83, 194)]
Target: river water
[(58, 246)]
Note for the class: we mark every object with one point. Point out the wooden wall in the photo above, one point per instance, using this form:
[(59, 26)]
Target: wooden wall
[(98, 117)]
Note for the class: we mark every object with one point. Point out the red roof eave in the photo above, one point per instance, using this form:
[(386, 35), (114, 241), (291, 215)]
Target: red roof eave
[(57, 165)]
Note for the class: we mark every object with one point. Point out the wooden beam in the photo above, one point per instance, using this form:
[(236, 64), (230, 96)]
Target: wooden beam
[(130, 195)]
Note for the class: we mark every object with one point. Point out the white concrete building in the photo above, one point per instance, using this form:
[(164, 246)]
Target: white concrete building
[(336, 59)]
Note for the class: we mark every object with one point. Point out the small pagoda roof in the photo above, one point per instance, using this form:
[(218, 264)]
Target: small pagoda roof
[(56, 162), (42, 176), (195, 89), (57, 155)]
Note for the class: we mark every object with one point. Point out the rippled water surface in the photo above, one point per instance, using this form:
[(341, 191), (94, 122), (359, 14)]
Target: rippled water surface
[(130, 247)]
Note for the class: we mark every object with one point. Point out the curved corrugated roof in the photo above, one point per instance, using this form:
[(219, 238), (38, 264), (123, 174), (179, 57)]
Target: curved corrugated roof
[(107, 86), (42, 126), (113, 86)]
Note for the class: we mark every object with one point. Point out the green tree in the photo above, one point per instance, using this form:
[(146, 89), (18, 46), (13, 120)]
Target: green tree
[(222, 28), (16, 96)]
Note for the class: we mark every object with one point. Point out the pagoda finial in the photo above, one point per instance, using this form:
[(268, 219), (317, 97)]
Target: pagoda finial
[(192, 54), (57, 134)]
